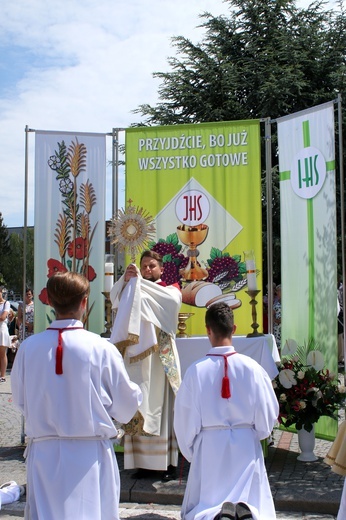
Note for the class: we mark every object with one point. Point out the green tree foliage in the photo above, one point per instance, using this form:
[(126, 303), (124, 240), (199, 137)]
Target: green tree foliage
[(13, 262), (4, 247), (269, 58)]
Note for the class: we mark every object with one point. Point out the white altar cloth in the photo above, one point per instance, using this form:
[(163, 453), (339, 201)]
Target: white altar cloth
[(262, 349)]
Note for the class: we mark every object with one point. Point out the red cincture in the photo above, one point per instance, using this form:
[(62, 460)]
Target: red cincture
[(225, 387), (59, 350)]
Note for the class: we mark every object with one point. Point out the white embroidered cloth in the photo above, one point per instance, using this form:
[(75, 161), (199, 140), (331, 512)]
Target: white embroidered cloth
[(144, 306)]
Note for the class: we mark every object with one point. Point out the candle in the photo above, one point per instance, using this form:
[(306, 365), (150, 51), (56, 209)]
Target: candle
[(109, 276), (250, 271)]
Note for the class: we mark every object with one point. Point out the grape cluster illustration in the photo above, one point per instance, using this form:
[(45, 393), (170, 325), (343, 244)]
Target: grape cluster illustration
[(222, 268)]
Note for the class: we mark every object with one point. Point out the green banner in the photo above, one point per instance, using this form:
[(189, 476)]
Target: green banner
[(202, 185)]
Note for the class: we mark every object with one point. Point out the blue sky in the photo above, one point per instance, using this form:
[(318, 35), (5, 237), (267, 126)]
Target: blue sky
[(80, 66)]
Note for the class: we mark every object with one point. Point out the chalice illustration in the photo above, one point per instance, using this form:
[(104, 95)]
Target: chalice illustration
[(192, 236)]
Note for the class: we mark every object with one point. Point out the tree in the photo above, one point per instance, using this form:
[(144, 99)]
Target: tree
[(268, 59), (4, 247), (13, 267)]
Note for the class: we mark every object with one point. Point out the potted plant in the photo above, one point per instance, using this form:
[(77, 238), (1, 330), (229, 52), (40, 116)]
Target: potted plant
[(305, 389)]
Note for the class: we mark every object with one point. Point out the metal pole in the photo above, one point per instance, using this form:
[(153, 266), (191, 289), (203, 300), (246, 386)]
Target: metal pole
[(26, 170), (269, 195), (115, 175), (342, 212), (25, 229)]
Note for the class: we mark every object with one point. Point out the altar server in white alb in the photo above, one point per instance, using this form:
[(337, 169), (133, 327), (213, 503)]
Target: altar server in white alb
[(69, 383), (224, 407)]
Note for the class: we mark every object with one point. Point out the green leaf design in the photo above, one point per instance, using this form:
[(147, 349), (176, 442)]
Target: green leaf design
[(215, 253), (172, 239), (242, 268)]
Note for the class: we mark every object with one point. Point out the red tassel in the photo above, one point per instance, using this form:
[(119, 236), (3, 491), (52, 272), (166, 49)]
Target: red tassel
[(58, 355), (58, 360), (59, 349), (225, 388)]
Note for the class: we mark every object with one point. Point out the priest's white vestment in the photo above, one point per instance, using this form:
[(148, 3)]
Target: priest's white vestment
[(72, 472), (144, 331), (221, 437)]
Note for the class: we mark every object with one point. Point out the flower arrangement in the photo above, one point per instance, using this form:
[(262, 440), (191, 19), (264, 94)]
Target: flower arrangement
[(305, 389)]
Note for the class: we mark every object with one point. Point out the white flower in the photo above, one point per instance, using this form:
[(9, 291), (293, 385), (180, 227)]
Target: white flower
[(318, 396), (315, 359), (283, 398), (287, 378), (289, 347), (302, 405), (301, 374), (312, 389), (342, 389)]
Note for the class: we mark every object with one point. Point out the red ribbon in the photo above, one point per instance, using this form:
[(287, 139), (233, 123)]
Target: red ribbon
[(225, 387), (59, 349)]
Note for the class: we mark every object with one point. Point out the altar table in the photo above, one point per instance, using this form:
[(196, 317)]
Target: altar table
[(262, 349)]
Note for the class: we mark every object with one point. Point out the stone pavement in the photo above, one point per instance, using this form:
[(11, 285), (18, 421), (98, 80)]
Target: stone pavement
[(301, 490)]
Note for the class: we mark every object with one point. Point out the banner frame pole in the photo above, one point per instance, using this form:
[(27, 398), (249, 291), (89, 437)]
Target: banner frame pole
[(269, 196), (115, 189), (25, 228), (342, 214)]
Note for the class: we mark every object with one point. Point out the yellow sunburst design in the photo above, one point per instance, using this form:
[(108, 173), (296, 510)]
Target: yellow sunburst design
[(131, 230)]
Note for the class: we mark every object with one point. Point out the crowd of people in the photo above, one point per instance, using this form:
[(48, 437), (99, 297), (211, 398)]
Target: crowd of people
[(14, 328), (216, 415)]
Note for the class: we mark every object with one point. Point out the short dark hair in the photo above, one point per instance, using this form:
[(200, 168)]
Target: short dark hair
[(66, 291), (148, 253), (219, 318)]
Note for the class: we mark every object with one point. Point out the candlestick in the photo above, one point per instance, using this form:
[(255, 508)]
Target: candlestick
[(255, 325), (182, 317), (108, 313)]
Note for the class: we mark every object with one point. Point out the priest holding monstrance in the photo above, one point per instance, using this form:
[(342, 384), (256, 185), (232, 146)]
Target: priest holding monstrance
[(144, 332)]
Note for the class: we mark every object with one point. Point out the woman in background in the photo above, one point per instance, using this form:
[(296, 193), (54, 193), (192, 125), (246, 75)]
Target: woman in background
[(28, 318), (4, 335)]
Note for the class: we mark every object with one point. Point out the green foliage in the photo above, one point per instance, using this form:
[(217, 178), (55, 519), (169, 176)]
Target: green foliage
[(267, 59), (13, 262), (4, 242)]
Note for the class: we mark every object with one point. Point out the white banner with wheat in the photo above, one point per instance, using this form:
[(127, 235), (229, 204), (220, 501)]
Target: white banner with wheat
[(70, 173)]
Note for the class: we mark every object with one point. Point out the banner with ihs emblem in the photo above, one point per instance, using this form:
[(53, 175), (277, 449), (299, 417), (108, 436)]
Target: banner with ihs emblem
[(202, 185)]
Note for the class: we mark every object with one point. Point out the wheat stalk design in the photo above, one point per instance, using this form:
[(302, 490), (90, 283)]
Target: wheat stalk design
[(84, 225), (62, 235), (88, 196), (76, 157)]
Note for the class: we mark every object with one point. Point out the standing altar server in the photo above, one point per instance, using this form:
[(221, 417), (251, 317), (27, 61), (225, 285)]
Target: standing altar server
[(69, 383), (224, 407)]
